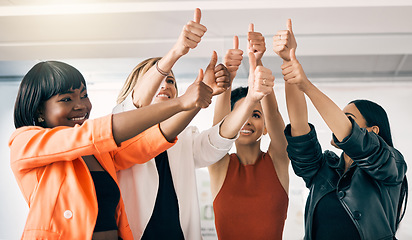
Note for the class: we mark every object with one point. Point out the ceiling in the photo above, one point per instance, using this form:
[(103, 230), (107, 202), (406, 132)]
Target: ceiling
[(351, 40)]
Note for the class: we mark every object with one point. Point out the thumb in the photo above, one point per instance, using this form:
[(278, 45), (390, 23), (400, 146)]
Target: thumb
[(289, 25), (251, 27), (199, 76), (252, 63), (197, 16), (235, 42), (292, 54), (213, 60)]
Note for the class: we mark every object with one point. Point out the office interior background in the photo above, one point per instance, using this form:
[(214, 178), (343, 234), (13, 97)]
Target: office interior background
[(350, 49)]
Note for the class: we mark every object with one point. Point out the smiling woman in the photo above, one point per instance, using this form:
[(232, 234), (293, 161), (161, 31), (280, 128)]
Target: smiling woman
[(65, 109), (57, 84), (65, 154)]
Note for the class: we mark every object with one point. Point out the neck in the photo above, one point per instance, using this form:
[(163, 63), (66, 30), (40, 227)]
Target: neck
[(248, 153)]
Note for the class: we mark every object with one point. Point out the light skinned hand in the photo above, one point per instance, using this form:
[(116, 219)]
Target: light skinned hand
[(197, 95), (283, 41), (256, 43), (293, 72), (233, 59), (261, 80), (216, 77), (191, 35)]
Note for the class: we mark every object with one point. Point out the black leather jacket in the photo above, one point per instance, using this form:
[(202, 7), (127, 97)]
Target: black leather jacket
[(368, 191)]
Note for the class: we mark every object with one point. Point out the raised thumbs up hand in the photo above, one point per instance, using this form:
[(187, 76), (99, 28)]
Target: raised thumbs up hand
[(260, 80), (216, 77), (233, 59), (293, 72), (190, 36), (197, 95), (256, 43), (284, 41)]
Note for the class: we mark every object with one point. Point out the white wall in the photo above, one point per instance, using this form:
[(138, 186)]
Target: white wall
[(394, 97)]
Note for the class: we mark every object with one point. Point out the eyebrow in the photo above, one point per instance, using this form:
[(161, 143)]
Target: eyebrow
[(350, 114), (257, 111), (70, 91)]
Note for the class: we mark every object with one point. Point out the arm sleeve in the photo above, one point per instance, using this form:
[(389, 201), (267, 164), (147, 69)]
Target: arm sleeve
[(371, 153), (141, 148), (209, 146), (305, 154), (32, 147)]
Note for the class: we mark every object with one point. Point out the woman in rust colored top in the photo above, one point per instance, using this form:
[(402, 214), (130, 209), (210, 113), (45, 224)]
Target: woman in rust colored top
[(250, 188)]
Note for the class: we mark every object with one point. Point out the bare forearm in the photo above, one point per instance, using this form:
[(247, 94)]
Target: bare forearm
[(149, 83), (176, 124), (273, 119), (333, 116), (131, 123), (168, 61), (222, 106), (236, 119), (297, 110)]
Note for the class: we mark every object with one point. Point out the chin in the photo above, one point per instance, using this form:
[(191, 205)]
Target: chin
[(159, 100), (246, 140)]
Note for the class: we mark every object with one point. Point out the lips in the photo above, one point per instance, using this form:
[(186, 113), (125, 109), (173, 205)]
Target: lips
[(79, 118), (163, 95), (246, 131)]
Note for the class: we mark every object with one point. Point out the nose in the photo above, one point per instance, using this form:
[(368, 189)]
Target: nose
[(79, 105), (164, 85)]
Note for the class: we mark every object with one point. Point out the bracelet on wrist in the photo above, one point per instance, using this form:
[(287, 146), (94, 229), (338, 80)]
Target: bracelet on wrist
[(160, 70)]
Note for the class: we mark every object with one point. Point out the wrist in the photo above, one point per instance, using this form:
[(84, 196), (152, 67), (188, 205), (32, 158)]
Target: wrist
[(180, 103), (173, 55), (250, 100), (307, 87), (285, 60), (176, 53)]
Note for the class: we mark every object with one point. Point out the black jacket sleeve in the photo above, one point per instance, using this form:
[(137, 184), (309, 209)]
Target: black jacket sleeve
[(305, 154), (373, 155)]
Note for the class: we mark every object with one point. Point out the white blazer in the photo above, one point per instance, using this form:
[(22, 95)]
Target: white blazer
[(139, 184)]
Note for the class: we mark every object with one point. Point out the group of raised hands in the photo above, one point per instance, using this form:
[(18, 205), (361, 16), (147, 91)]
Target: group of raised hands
[(216, 79)]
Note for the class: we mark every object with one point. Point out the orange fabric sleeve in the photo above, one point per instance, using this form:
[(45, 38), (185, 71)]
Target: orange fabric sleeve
[(141, 148), (32, 147)]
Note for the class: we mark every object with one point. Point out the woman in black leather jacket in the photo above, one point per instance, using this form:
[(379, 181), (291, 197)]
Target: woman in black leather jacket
[(360, 194)]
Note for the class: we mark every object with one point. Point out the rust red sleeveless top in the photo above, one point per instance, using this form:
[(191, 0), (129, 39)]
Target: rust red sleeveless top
[(252, 203)]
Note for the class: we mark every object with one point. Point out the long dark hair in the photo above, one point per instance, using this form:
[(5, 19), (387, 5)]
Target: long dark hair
[(375, 115), (43, 81)]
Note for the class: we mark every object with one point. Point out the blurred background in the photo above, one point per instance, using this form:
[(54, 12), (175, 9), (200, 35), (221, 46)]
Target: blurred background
[(349, 49)]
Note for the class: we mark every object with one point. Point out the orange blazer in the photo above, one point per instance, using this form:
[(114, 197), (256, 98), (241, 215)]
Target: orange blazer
[(56, 182)]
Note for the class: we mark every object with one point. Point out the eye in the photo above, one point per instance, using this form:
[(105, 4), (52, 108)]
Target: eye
[(255, 115), (85, 96), (170, 81), (66, 99)]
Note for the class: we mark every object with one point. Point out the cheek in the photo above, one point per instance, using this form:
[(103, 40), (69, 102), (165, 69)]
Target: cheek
[(55, 117), (259, 123), (174, 90), (89, 104)]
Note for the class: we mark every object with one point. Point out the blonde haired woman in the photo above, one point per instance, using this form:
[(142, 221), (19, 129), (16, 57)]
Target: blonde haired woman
[(161, 195)]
